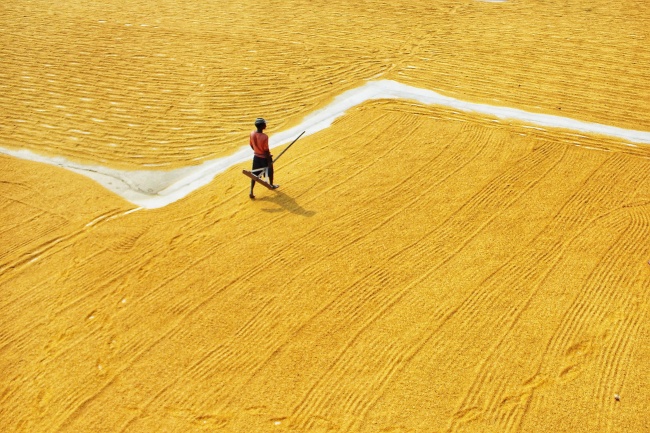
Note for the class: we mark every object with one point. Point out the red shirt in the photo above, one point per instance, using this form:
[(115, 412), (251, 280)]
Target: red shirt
[(260, 144)]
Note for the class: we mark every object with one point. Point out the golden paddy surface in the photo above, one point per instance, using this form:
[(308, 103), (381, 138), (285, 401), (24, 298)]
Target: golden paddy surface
[(420, 269)]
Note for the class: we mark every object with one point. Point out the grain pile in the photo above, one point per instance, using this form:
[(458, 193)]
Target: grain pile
[(420, 269)]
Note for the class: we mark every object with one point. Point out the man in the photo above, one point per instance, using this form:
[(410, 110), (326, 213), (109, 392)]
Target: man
[(262, 157)]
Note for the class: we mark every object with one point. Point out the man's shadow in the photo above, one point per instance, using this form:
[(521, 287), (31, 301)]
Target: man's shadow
[(284, 202)]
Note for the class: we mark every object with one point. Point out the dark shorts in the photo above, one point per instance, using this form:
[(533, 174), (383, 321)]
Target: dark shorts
[(259, 162)]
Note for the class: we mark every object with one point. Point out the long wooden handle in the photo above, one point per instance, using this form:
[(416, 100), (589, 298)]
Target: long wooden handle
[(287, 148)]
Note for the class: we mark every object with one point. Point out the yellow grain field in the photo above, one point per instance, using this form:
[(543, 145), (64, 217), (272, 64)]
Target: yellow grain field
[(421, 269)]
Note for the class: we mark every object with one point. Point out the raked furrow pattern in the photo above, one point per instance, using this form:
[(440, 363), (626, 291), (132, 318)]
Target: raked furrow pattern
[(421, 269)]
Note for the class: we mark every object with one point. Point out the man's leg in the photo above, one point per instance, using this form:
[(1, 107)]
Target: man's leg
[(270, 173), (256, 165)]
